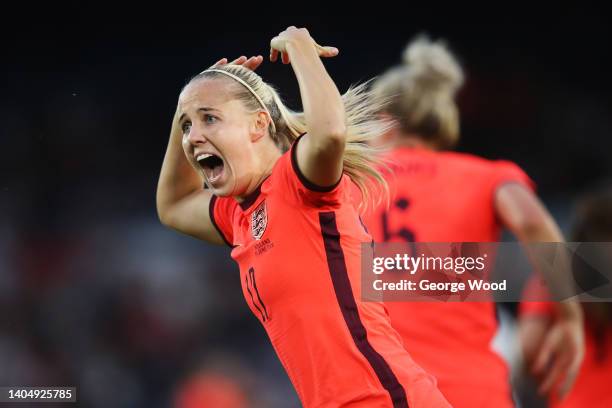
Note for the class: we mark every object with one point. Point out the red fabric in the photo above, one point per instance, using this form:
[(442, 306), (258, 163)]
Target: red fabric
[(448, 197), (311, 312)]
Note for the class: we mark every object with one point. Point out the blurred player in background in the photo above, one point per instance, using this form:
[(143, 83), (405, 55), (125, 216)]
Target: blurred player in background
[(593, 223), (211, 389), (279, 193), (443, 196)]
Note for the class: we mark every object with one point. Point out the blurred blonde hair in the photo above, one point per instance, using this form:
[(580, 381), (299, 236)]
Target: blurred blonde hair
[(360, 159), (420, 94)]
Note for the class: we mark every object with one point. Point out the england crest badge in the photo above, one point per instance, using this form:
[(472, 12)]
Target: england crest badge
[(259, 221)]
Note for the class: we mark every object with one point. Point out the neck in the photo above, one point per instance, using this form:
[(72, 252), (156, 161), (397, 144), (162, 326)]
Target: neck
[(266, 160)]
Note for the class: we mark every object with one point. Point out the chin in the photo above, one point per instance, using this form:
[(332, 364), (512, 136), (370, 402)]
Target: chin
[(224, 189)]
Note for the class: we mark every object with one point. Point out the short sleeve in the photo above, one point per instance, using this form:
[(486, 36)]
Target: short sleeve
[(297, 188), (509, 172), (221, 212)]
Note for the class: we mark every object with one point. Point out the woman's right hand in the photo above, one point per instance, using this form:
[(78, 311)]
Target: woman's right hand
[(251, 63)]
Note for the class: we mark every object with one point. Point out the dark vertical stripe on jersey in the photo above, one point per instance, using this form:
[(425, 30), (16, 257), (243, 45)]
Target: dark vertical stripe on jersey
[(348, 306), (246, 278), (252, 272)]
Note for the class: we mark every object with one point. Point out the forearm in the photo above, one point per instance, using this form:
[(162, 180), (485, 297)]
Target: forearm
[(177, 178), (322, 103), (547, 230)]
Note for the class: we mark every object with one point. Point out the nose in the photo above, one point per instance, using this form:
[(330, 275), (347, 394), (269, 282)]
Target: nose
[(195, 136)]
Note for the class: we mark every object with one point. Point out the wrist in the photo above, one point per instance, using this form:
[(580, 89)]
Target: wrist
[(569, 311), (301, 46)]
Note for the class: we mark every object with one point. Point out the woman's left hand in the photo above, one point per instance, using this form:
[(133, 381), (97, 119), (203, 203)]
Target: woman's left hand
[(560, 355), (295, 35)]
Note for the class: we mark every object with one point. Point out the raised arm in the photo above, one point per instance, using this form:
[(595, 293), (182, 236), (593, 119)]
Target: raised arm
[(182, 203), (320, 152)]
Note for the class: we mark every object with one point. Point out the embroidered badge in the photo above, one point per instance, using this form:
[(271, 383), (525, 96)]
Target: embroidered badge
[(259, 221)]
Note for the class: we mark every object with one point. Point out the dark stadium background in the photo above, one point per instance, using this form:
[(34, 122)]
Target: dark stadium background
[(95, 293)]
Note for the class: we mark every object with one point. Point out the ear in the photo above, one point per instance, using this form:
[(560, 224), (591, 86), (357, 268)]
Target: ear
[(259, 126)]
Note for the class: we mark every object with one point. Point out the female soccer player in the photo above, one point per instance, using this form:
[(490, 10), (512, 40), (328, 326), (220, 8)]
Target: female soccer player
[(283, 203), (442, 196), (593, 223)]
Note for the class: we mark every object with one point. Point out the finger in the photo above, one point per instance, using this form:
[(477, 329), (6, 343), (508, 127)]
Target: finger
[(248, 62), (257, 62), (277, 43), (240, 60), (285, 57), (273, 54), (253, 62), (328, 52), (545, 353), (570, 377), (567, 384), (560, 365), (222, 61)]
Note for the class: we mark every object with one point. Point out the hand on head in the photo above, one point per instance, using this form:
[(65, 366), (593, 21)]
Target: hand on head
[(251, 63), (279, 44)]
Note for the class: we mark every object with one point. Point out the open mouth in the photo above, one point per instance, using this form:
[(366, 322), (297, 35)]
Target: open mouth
[(212, 165)]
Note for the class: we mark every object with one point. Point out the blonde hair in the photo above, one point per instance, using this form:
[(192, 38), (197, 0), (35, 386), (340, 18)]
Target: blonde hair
[(421, 92), (360, 160)]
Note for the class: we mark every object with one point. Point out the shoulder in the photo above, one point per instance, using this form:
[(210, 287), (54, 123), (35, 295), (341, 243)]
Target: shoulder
[(222, 211), (468, 160), (288, 180), (473, 163)]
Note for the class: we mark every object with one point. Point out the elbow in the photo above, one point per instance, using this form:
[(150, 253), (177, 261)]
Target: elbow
[(163, 218), (336, 128), (335, 137), (328, 139), (163, 214), (327, 123), (337, 134), (333, 144)]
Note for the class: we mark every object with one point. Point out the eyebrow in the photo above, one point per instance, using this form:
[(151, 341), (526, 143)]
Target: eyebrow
[(204, 109)]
